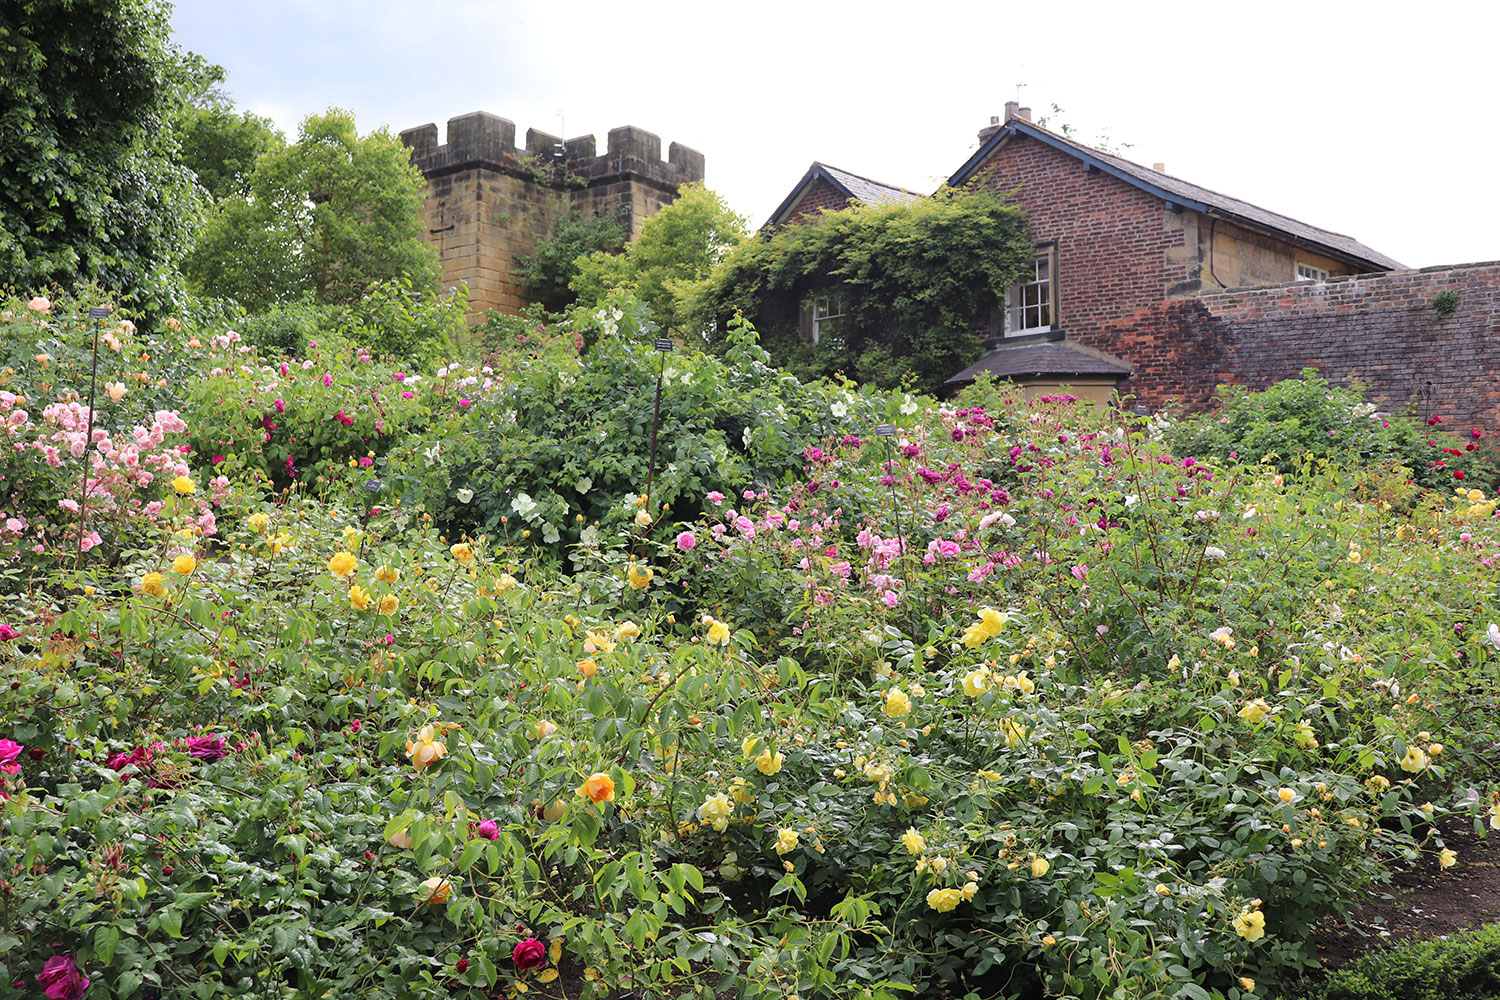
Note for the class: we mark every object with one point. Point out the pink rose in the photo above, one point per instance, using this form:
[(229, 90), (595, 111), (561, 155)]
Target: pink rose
[(6, 632), (489, 830), (9, 751), (686, 542)]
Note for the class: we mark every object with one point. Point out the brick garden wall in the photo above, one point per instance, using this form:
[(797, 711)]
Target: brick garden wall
[(1379, 329)]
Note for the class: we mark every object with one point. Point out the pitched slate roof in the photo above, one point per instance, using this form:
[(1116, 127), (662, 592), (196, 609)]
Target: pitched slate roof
[(1180, 192), (1050, 358), (852, 186)]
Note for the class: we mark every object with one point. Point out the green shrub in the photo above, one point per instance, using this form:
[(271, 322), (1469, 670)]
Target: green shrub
[(1295, 419), (287, 328), (1465, 966)]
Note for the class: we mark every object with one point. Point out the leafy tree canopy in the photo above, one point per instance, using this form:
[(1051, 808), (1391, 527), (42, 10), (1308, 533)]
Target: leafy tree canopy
[(91, 187), (219, 143), (551, 269), (327, 217), (915, 282), (678, 248)]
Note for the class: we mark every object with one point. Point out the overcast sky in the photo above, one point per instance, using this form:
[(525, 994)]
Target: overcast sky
[(1375, 120)]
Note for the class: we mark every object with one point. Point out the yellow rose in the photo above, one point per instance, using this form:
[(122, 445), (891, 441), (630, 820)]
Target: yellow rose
[(992, 622), (599, 787), (1163, 890), (359, 597), (639, 577), (897, 704), (588, 668), (976, 682), (1414, 761), (1303, 736), (343, 565), (969, 890), (400, 839), (259, 522), (184, 565), (389, 603), (1287, 794), (385, 574), (462, 552), (1250, 924), (877, 773), (436, 889), (1255, 711), (1025, 684), (944, 900), (545, 729), (184, 485), (554, 810), (768, 763), (1040, 867), (626, 631), (739, 790), (718, 632), (506, 583), (1247, 984), (914, 841), (786, 840), (426, 751), (1447, 858), (715, 811), (974, 635), (154, 585)]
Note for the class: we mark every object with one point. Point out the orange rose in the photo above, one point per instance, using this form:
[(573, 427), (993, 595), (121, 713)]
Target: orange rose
[(599, 788)]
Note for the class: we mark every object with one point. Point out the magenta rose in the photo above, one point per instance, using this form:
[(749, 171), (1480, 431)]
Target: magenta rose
[(6, 632), (62, 978), (489, 830), (530, 954), (206, 748)]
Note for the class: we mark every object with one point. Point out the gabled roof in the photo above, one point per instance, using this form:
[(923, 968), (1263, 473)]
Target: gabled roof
[(851, 186), (1049, 358), (1179, 192)]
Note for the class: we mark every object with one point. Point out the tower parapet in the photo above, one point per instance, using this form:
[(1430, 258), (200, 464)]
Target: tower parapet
[(489, 203)]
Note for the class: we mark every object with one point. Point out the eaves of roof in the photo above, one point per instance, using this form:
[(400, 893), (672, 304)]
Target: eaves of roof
[(851, 186), (1042, 360)]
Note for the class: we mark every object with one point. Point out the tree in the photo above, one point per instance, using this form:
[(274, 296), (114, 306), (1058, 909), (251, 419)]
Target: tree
[(91, 188), (678, 248), (219, 144), (914, 283), (327, 217), (549, 271)]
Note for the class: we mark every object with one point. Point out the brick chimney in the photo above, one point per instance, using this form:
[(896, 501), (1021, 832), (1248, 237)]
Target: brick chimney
[(989, 130), (1012, 110)]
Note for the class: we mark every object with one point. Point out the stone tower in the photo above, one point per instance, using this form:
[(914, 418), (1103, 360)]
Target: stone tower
[(488, 203)]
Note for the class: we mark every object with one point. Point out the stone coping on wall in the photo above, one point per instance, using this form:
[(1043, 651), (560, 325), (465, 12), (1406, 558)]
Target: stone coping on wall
[(1345, 278)]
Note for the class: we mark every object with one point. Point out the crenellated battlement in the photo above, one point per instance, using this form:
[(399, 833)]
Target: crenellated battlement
[(490, 203), (485, 140)]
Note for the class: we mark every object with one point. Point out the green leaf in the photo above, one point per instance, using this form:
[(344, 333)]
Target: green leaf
[(106, 940)]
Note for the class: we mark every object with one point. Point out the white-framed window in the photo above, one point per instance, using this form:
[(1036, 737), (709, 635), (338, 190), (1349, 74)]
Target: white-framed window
[(1031, 304), (827, 311), (1306, 272)]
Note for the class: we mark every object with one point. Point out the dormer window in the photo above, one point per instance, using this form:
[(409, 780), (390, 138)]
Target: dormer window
[(1306, 272), (1030, 304)]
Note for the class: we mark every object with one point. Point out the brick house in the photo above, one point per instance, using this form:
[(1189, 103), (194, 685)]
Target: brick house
[(1118, 243)]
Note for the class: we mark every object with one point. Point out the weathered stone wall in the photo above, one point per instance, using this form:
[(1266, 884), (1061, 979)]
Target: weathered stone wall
[(489, 204)]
